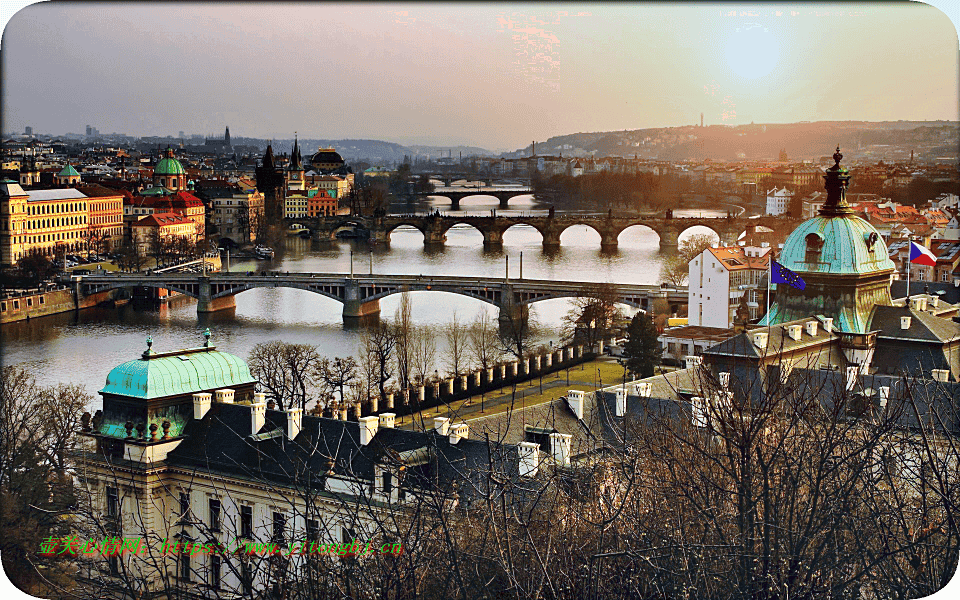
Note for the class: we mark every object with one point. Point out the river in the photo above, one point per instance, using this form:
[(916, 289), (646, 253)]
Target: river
[(83, 347)]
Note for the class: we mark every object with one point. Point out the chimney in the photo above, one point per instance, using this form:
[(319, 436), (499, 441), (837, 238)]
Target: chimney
[(904, 322), (201, 404), (258, 416), (724, 380), (460, 431), (760, 339), (621, 402), (368, 429), (942, 375), (811, 327), (918, 303), (852, 377), (692, 362), (294, 422), (387, 420), (560, 447), (441, 425), (698, 411), (225, 396), (794, 331), (529, 458), (935, 302), (575, 402), (884, 396), (828, 324)]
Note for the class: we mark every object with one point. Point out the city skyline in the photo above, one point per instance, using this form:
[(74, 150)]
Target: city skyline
[(492, 76)]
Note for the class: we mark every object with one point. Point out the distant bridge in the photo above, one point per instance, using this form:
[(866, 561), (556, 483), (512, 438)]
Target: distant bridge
[(361, 295), (456, 194), (435, 227)]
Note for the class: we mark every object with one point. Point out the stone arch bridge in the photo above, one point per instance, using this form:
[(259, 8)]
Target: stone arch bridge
[(434, 227), (361, 295)]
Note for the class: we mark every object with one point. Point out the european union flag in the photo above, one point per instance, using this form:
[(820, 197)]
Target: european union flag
[(781, 274)]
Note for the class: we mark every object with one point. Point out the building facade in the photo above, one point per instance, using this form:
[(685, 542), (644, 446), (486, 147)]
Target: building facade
[(720, 278)]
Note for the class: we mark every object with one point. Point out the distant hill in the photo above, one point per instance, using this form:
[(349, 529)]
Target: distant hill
[(809, 140)]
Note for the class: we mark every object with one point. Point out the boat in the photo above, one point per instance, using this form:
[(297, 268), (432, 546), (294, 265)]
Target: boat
[(263, 252)]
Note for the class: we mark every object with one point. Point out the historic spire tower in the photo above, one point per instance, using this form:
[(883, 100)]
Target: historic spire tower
[(841, 258), (295, 171), (270, 182)]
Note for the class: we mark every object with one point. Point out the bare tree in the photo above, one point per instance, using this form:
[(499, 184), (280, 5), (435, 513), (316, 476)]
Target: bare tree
[(482, 341), (377, 347), (288, 373), (403, 327), (424, 354), (593, 316), (457, 338), (339, 374)]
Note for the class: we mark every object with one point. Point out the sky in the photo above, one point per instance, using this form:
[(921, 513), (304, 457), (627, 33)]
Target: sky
[(496, 75)]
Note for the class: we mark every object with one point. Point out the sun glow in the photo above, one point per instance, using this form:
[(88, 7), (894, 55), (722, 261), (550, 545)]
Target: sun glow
[(752, 51)]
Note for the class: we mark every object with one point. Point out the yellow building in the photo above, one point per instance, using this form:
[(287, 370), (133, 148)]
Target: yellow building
[(49, 222)]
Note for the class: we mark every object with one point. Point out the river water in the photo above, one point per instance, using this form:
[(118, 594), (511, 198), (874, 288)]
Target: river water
[(83, 347)]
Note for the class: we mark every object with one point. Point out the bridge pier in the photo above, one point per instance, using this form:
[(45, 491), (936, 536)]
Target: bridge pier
[(669, 240), (207, 304), (609, 242), (492, 238), (354, 307), (551, 240), (455, 203), (513, 320), (379, 236), (504, 201), (434, 237)]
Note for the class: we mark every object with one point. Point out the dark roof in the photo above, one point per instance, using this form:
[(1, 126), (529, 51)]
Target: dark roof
[(221, 442), (951, 293), (778, 340), (923, 326)]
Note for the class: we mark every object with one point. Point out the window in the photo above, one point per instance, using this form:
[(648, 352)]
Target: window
[(214, 571), (184, 506), (347, 535), (246, 521), (29, 301), (113, 502), (387, 482), (246, 579), (185, 567), (279, 525), (214, 514), (313, 530), (114, 562)]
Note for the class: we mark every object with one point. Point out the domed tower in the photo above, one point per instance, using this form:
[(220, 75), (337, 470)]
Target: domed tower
[(169, 173), (68, 176), (841, 258)]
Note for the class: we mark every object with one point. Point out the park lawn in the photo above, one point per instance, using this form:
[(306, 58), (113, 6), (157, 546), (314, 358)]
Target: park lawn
[(585, 377)]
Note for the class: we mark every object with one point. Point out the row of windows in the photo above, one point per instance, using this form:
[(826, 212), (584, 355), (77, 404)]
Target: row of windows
[(49, 209), (16, 304), (60, 222)]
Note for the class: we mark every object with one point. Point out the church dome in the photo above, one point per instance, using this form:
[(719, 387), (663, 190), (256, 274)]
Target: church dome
[(829, 245), (177, 373), (326, 156), (169, 165)]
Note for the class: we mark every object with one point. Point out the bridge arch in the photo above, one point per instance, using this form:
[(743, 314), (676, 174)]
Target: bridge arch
[(693, 229), (522, 224), (637, 234)]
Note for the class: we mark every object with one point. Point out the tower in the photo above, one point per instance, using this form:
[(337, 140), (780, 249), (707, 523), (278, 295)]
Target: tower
[(226, 137), (270, 182), (295, 169), (842, 260)]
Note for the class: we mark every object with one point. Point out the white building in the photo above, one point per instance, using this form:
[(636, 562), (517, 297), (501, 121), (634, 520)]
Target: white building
[(719, 277), (778, 201)]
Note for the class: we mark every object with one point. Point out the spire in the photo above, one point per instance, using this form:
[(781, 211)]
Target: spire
[(296, 162), (268, 157), (835, 182)]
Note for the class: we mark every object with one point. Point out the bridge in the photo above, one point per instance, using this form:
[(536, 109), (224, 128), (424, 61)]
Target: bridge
[(361, 295), (434, 227), (456, 194)]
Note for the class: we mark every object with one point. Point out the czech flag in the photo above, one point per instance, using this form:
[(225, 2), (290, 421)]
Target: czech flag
[(921, 256)]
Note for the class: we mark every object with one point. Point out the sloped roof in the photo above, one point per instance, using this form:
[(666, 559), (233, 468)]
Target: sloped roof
[(176, 374), (923, 325)]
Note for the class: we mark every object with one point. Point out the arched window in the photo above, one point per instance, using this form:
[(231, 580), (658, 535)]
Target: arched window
[(814, 247)]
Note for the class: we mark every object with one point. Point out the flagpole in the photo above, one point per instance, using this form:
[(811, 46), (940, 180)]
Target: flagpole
[(769, 278), (909, 252)]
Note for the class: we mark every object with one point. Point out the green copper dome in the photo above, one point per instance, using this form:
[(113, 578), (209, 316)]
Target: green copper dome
[(178, 373), (843, 245), (169, 165), (68, 171)]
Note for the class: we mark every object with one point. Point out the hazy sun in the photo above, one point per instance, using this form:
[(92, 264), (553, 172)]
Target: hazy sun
[(752, 51)]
